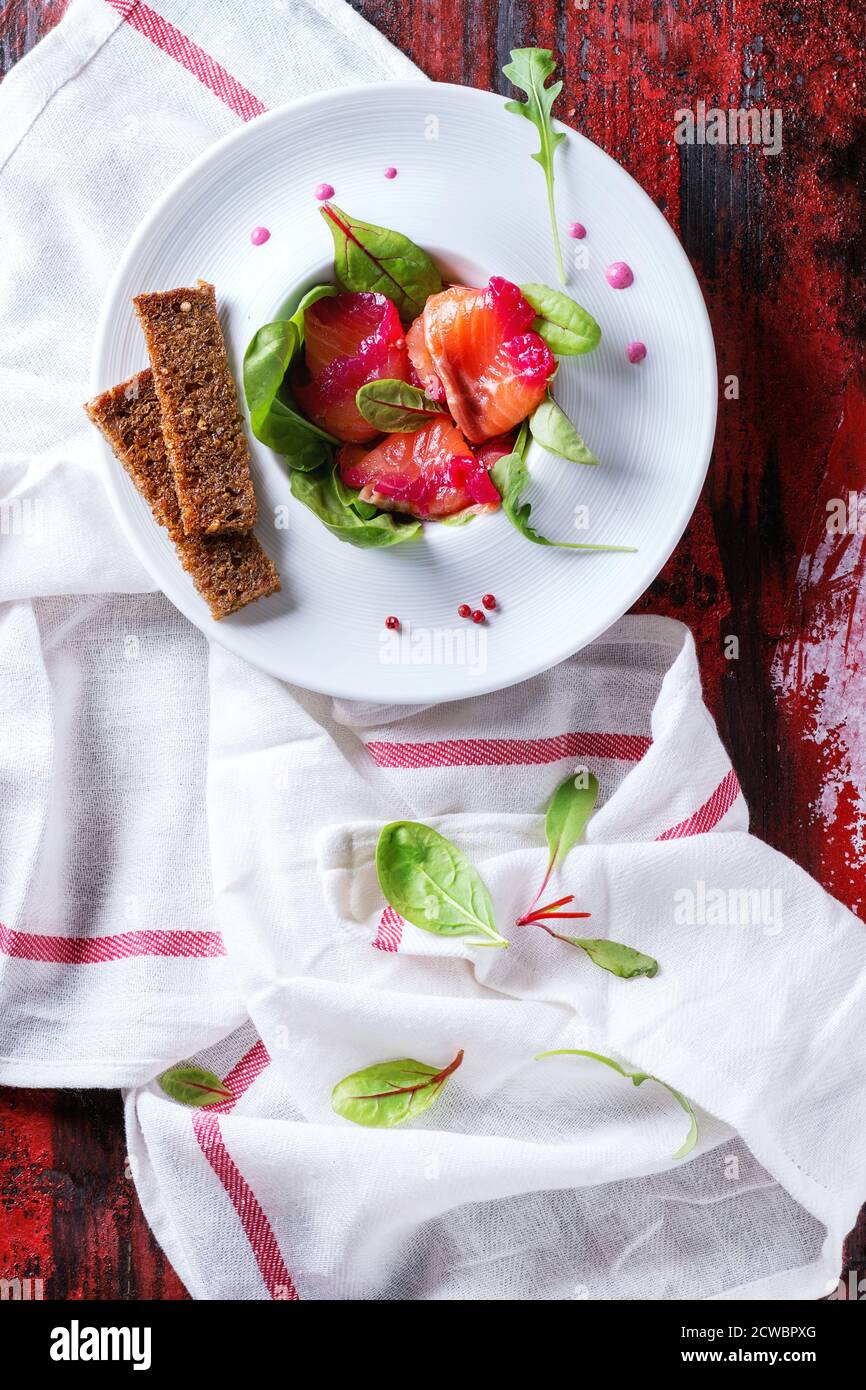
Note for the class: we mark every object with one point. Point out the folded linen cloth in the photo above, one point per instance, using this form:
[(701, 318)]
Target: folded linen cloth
[(178, 880)]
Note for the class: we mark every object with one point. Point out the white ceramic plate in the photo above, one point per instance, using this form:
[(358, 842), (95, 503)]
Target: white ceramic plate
[(469, 192)]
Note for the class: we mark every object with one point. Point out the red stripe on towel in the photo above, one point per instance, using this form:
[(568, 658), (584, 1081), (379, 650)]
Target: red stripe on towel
[(177, 45), (96, 950), (708, 815), (390, 932), (501, 752), (256, 1227)]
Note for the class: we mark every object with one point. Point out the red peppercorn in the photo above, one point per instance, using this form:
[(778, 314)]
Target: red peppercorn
[(393, 623), (478, 616), (488, 600), (464, 610)]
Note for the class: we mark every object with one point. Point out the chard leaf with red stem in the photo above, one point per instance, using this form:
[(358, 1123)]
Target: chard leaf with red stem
[(389, 1093), (194, 1086), (375, 259)]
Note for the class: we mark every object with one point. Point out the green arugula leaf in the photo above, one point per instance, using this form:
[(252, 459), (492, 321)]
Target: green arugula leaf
[(620, 960), (564, 325), (637, 1077), (432, 884), (510, 477), (370, 258), (529, 69), (552, 429), (274, 418), (395, 407), (389, 1093), (321, 492), (194, 1086), (310, 298)]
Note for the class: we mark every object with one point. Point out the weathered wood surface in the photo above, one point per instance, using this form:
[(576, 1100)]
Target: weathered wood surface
[(778, 245)]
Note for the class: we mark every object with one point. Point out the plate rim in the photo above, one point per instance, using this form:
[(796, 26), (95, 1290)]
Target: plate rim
[(119, 486)]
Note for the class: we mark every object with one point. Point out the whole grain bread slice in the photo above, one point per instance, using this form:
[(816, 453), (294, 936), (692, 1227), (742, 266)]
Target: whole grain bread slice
[(201, 422), (229, 571)]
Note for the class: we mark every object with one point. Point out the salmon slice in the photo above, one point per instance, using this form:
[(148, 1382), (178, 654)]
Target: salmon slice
[(349, 340), (430, 474), (341, 325), (477, 348)]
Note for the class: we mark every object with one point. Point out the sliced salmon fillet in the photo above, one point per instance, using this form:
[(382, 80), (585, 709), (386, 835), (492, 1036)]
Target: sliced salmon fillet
[(477, 348), (349, 340), (430, 474), (341, 325)]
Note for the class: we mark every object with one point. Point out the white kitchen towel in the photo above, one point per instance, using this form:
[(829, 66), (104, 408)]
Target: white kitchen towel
[(111, 962), (186, 849)]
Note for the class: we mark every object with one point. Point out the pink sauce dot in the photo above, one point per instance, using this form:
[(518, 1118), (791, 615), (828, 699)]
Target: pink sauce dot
[(636, 352), (324, 191), (577, 230), (619, 275), (259, 235), (390, 172)]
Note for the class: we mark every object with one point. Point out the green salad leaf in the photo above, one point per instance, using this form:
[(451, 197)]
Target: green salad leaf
[(351, 497), (552, 429), (194, 1086), (432, 884), (529, 69), (389, 1093), (274, 418), (370, 258), (612, 956), (310, 298), (570, 808), (395, 407), (323, 493), (637, 1077), (564, 325), (510, 477)]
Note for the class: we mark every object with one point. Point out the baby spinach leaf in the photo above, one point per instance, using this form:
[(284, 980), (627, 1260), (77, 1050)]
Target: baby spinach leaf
[(431, 883), (623, 961), (389, 1093), (510, 477), (395, 407), (564, 325), (310, 298), (552, 429), (637, 1077), (529, 69), (194, 1086), (351, 497), (274, 418), (570, 808), (319, 491), (373, 258)]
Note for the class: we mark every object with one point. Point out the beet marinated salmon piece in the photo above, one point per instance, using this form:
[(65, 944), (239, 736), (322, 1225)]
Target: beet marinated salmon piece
[(429, 474), (492, 450), (349, 340), (478, 348), (339, 326)]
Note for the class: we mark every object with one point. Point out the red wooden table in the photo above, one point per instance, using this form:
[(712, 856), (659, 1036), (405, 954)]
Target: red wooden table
[(778, 245)]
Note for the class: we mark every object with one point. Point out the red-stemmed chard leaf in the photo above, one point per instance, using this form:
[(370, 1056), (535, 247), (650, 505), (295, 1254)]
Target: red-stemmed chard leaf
[(370, 258), (194, 1086)]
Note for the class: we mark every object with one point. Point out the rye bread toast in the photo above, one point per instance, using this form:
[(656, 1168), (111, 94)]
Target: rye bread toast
[(201, 421), (229, 571)]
